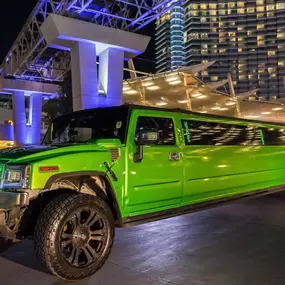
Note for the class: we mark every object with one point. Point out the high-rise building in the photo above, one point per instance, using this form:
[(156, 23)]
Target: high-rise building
[(169, 44), (245, 38)]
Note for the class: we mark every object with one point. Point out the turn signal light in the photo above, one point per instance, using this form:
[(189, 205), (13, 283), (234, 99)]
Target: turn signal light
[(48, 168)]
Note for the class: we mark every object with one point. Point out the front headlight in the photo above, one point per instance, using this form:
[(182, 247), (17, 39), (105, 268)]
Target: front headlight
[(16, 176)]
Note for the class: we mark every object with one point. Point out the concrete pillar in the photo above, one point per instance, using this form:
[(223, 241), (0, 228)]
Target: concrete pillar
[(19, 117), (84, 76), (111, 74), (35, 119)]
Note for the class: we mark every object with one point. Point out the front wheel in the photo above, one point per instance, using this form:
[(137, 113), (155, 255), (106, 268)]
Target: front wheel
[(74, 235)]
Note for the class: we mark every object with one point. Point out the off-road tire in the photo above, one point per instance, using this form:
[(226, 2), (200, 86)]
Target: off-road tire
[(49, 226)]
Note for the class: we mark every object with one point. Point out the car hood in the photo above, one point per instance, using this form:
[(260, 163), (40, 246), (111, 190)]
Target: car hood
[(38, 152), (18, 152)]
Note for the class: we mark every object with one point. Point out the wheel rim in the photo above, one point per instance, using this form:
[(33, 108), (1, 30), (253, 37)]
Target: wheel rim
[(83, 237)]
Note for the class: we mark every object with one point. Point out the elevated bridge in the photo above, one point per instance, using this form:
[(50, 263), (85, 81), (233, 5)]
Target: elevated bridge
[(31, 57), (64, 35)]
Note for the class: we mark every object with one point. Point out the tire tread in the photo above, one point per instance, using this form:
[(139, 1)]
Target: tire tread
[(45, 233)]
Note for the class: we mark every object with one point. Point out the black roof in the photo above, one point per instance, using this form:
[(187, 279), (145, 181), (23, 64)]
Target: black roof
[(176, 110)]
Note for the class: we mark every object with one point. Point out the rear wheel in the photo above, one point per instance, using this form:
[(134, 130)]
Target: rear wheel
[(74, 235)]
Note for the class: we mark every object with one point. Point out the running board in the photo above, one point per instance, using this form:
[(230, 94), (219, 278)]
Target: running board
[(147, 218)]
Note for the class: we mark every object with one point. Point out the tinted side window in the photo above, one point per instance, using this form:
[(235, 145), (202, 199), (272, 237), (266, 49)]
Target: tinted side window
[(163, 125), (209, 133), (274, 137)]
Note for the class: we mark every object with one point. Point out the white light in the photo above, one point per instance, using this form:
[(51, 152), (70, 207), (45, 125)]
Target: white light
[(251, 117), (203, 111), (230, 103), (215, 108), (277, 109), (182, 101), (131, 92), (202, 97), (195, 95), (223, 109), (152, 88), (176, 82), (161, 103), (126, 88), (147, 83), (266, 113), (172, 78)]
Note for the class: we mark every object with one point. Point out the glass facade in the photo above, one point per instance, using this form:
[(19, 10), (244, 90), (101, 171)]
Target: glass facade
[(169, 46), (245, 38)]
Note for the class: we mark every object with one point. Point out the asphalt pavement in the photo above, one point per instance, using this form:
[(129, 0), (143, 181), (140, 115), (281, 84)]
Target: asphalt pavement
[(236, 244)]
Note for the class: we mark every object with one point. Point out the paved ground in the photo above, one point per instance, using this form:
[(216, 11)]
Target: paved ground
[(238, 244)]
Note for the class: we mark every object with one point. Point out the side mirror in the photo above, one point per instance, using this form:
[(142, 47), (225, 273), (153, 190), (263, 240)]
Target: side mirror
[(145, 138)]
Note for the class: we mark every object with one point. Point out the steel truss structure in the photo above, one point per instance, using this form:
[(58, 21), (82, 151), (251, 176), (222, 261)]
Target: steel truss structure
[(30, 57)]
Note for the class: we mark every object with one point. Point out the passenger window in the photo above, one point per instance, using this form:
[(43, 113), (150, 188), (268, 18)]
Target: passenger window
[(274, 136), (209, 133), (164, 126)]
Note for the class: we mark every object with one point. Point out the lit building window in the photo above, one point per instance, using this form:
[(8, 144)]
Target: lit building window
[(194, 13), (194, 36), (231, 4), (185, 37), (250, 10), (280, 6), (281, 35), (259, 2), (271, 52), (194, 6), (260, 9), (270, 7)]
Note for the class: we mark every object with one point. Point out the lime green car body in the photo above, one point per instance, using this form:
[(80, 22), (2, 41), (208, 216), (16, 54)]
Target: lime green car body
[(158, 183)]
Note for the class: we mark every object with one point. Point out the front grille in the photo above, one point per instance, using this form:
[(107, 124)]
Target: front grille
[(115, 153)]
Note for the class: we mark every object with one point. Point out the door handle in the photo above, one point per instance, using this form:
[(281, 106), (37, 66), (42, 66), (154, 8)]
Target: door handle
[(174, 156)]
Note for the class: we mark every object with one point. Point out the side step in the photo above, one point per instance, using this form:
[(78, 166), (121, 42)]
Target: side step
[(146, 218)]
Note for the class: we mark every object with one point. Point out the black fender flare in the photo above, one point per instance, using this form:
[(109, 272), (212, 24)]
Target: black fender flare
[(110, 192)]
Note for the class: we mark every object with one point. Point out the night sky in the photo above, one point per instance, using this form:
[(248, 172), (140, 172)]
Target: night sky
[(14, 14)]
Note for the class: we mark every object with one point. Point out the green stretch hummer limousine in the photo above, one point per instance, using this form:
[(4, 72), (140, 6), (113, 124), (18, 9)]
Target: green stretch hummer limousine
[(120, 166)]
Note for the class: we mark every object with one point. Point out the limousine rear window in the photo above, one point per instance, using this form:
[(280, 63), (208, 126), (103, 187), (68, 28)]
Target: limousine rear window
[(274, 136), (209, 133)]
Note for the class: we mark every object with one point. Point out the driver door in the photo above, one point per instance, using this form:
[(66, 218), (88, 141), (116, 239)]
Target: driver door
[(155, 183)]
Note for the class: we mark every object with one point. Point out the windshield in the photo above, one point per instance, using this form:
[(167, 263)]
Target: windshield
[(82, 127)]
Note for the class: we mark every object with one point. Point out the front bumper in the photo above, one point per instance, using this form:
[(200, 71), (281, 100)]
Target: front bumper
[(11, 205)]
